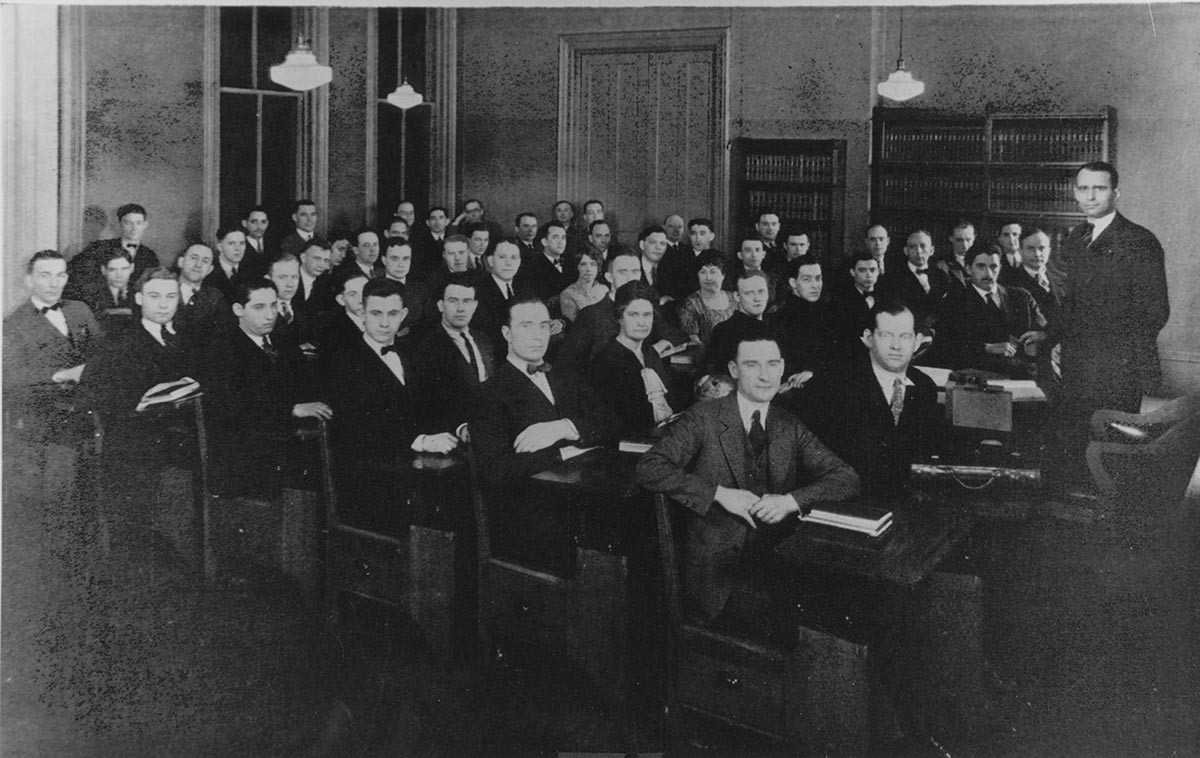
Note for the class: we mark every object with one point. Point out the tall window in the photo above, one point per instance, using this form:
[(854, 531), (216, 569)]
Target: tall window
[(262, 124), (404, 139)]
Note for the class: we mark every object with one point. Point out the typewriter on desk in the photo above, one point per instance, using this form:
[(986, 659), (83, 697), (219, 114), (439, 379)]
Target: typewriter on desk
[(983, 452)]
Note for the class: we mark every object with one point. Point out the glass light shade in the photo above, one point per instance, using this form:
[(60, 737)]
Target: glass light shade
[(300, 70), (901, 85), (405, 97)]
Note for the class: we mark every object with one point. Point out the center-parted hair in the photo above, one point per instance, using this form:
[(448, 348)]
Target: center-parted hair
[(628, 292)]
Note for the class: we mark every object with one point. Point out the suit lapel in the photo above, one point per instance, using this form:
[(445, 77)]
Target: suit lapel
[(733, 440)]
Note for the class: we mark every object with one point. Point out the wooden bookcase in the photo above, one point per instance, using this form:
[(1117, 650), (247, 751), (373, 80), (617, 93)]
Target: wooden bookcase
[(804, 181), (930, 169)]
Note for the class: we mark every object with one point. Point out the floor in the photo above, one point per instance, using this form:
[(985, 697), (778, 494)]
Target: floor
[(1090, 631)]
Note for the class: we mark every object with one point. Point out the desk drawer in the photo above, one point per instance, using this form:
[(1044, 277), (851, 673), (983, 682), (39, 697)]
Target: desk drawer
[(369, 564), (525, 606), (746, 694)]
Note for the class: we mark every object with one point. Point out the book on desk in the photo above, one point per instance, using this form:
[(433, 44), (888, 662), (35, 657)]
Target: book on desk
[(856, 517)]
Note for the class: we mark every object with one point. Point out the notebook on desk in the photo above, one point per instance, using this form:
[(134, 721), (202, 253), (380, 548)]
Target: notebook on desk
[(855, 517)]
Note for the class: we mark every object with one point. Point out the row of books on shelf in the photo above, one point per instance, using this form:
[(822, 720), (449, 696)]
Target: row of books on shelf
[(961, 143), (922, 191), (1051, 141), (812, 206), (801, 169), (1044, 195)]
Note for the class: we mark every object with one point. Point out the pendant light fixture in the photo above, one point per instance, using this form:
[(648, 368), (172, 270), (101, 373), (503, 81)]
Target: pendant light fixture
[(404, 96), (300, 70), (900, 85)]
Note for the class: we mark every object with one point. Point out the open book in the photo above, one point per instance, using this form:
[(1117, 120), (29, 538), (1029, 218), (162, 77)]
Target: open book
[(169, 392), (855, 517)]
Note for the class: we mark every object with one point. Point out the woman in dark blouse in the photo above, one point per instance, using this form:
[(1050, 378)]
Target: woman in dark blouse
[(628, 374)]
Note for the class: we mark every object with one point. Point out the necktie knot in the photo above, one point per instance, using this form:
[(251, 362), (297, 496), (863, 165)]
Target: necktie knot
[(757, 435), (48, 308), (533, 368)]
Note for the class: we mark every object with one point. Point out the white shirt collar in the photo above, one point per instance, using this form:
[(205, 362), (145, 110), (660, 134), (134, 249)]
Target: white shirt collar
[(155, 329), (378, 348), (985, 294), (913, 269), (308, 280), (746, 409), (306, 236), (503, 285), (40, 303), (557, 262), (1100, 224), (887, 380), (186, 290)]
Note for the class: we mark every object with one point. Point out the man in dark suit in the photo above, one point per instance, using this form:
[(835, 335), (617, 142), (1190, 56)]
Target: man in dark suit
[(853, 301), (203, 310), (110, 299), (137, 444), (364, 253), (496, 289), (255, 225), (804, 323), (231, 270), (767, 230), (314, 295), (343, 325), (954, 263), (47, 342), (427, 241), (680, 269), (748, 320), (371, 387), (878, 413), (915, 283), (84, 268), (525, 235), (1008, 245), (397, 267), (453, 361), (750, 257), (877, 241), (304, 216), (254, 390), (652, 243), (597, 324), (547, 273), (989, 326), (1036, 276), (292, 323), (1116, 303), (758, 463)]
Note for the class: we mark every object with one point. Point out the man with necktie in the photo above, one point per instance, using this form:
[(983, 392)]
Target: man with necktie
[(304, 216), (853, 301), (1114, 306), (1036, 276), (203, 310), (109, 298), (255, 226), (231, 269), (915, 283), (84, 268)]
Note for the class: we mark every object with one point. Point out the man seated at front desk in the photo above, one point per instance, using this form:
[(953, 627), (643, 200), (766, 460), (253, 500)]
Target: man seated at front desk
[(745, 470), (877, 412), (527, 419), (988, 326)]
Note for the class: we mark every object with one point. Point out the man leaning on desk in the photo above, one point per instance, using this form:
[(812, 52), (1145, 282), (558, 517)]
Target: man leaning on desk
[(745, 470)]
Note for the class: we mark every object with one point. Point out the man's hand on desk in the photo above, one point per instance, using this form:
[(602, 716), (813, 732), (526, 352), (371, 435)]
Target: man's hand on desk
[(443, 442), (312, 410), (537, 437), (1006, 349), (771, 509), (737, 502)]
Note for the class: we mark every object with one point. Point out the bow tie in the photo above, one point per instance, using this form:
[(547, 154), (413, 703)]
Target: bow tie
[(921, 271), (533, 368), (48, 308), (389, 349)]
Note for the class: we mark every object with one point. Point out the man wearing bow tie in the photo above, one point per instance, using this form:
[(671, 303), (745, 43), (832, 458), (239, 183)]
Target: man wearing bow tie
[(547, 273), (1115, 304), (915, 283), (527, 413), (85, 267)]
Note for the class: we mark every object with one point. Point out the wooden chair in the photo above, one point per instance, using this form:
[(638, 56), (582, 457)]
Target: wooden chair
[(813, 695), (1169, 449), (421, 570)]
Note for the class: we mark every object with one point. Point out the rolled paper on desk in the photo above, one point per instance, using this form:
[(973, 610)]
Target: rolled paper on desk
[(976, 477)]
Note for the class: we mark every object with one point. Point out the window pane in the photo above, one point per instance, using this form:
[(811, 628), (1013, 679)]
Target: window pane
[(275, 39), (387, 50), (239, 121), (236, 55), (415, 159), (280, 127)]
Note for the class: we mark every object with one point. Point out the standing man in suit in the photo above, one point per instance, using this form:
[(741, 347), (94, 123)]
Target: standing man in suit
[(454, 360), (745, 470), (547, 273), (203, 309), (989, 326), (1116, 303), (917, 284), (137, 444), (109, 298), (680, 269), (84, 268), (479, 242), (47, 343), (293, 322), (767, 228), (751, 256), (496, 289), (878, 413), (231, 269), (748, 319), (599, 239), (675, 227), (407, 211), (804, 323), (254, 389), (397, 267), (255, 226), (304, 216)]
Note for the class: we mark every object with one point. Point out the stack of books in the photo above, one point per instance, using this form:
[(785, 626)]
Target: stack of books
[(170, 392), (855, 517)]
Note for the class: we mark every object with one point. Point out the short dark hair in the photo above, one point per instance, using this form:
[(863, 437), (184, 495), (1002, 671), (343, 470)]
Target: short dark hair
[(399, 219), (1104, 166), (470, 200), (794, 265), (348, 274), (429, 213), (224, 230), (493, 247), (361, 231), (767, 212), (547, 226), (128, 208), (468, 229), (257, 209), (796, 230), (592, 226), (113, 253), (593, 201), (711, 258), (753, 237), (523, 214), (889, 305), (701, 221), (158, 272), (457, 278), (962, 223), (979, 250), (569, 203), (43, 255), (522, 300), (241, 295), (1030, 231), (320, 242), (302, 201), (382, 287), (285, 258), (391, 242), (858, 257), (455, 238), (652, 229), (756, 331), (337, 235), (630, 291)]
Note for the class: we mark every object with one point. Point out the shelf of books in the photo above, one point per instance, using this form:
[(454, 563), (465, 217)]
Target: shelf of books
[(930, 168), (803, 181)]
